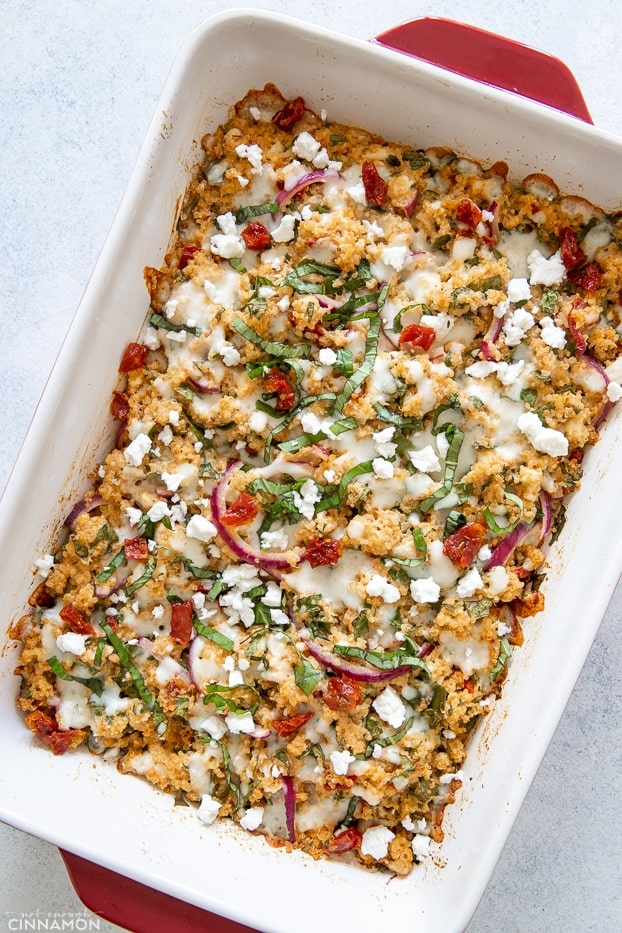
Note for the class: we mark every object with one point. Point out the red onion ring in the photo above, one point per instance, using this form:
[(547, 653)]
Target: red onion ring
[(289, 798), (355, 671), (547, 514), (201, 386), (490, 338), (503, 550), (82, 506), (241, 549), (310, 178)]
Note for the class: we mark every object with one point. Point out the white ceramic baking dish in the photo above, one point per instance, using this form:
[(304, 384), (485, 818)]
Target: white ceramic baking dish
[(82, 804)]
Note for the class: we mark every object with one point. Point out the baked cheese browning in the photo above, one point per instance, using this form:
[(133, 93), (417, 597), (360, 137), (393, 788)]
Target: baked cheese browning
[(348, 429)]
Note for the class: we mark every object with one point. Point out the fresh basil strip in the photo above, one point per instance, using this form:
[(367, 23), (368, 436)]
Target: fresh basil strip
[(387, 740), (383, 660), (287, 420), (226, 765), (420, 542), (255, 210), (343, 314), (158, 320), (345, 424), (359, 375), (505, 529), (306, 676), (451, 465), (406, 425), (281, 351), (221, 696), (158, 714), (93, 684), (303, 440), (150, 566), (452, 404), (211, 634), (333, 501), (505, 653), (110, 568)]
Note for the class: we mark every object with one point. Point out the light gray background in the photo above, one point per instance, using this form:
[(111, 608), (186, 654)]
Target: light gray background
[(79, 82)]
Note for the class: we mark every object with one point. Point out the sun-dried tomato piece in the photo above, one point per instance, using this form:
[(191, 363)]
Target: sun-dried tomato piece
[(344, 841), (468, 213), (289, 114), (119, 406), (181, 621), (76, 621), (418, 335), (322, 551), (241, 512), (256, 236), (187, 254), (342, 694), (134, 356), (579, 338), (278, 384), (136, 548), (589, 277), (289, 725), (46, 728), (462, 546), (571, 252), (376, 188)]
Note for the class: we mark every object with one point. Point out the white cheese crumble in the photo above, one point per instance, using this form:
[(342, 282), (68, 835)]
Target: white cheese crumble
[(380, 586), (552, 335), (376, 840), (72, 643), (518, 290), (382, 442), (208, 809), (137, 449), (425, 459), (390, 708), (421, 846), (546, 440), (382, 468), (44, 564), (327, 356), (285, 231), (614, 392), (240, 723), (252, 818), (201, 528), (544, 271), (307, 497), (469, 584), (425, 590), (253, 154), (341, 761), (516, 326)]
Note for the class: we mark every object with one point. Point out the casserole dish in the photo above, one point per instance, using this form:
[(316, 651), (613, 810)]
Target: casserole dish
[(499, 802)]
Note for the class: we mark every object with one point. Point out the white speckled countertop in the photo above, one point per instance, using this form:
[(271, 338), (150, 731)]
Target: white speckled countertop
[(78, 85)]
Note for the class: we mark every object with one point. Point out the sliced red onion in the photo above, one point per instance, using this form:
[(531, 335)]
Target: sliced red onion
[(113, 584), (390, 336), (309, 179), (493, 225), (409, 208), (547, 514), (425, 650), (490, 338), (503, 550), (202, 386), (600, 369), (243, 550), (602, 414), (289, 798), (82, 506), (339, 665)]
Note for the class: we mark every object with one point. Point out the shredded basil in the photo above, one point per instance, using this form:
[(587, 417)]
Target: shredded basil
[(387, 739), (333, 501), (158, 714), (359, 376), (406, 425), (223, 697), (505, 653), (306, 676), (93, 684), (226, 765), (213, 635), (255, 210), (451, 465), (158, 320), (110, 568), (150, 566), (344, 364), (505, 529), (478, 608), (281, 351), (383, 660)]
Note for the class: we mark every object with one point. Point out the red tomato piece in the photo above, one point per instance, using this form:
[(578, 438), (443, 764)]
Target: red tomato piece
[(342, 694), (289, 725), (291, 112), (344, 841), (322, 551), (418, 335), (580, 341), (181, 621), (589, 276), (376, 188), (119, 406), (462, 546), (187, 253), (136, 548), (240, 512), (46, 728), (134, 357), (256, 236), (76, 621), (571, 253), (467, 212), (278, 384)]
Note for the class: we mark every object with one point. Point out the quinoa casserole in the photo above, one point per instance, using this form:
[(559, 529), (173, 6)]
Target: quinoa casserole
[(345, 435)]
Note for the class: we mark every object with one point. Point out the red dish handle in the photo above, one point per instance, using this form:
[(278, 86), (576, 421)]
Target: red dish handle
[(490, 59)]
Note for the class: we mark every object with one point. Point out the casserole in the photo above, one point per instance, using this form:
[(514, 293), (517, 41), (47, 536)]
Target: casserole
[(106, 369)]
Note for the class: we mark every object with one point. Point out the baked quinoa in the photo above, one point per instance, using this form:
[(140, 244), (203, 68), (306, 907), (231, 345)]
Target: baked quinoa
[(346, 432)]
